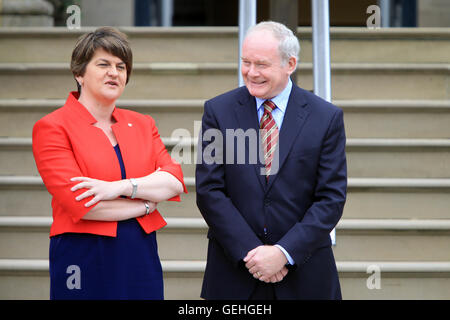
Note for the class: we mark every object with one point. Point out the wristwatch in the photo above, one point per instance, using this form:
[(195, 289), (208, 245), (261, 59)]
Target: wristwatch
[(134, 184)]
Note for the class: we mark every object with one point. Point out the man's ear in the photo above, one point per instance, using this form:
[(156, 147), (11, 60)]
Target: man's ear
[(292, 65)]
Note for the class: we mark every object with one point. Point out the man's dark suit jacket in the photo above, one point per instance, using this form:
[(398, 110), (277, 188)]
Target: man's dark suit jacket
[(299, 205)]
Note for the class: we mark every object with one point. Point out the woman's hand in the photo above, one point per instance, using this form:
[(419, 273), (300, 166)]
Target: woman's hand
[(99, 189)]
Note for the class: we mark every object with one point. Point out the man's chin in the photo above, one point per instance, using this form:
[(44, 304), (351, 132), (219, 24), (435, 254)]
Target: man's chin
[(257, 92)]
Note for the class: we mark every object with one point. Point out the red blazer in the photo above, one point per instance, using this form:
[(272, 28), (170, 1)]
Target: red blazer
[(66, 145)]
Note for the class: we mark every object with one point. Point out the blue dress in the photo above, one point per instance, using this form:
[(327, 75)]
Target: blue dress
[(89, 266)]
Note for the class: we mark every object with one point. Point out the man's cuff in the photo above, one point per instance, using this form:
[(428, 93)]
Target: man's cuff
[(288, 257)]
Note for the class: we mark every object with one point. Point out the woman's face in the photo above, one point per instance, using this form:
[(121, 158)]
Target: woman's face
[(104, 78)]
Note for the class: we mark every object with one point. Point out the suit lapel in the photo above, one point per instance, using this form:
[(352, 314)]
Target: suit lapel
[(247, 116), (294, 119)]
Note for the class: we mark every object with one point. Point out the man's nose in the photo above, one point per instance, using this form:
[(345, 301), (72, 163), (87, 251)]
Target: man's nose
[(252, 71)]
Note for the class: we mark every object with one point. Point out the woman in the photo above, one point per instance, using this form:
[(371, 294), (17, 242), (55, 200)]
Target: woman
[(106, 169)]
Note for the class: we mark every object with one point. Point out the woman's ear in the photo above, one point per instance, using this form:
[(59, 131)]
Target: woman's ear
[(79, 79)]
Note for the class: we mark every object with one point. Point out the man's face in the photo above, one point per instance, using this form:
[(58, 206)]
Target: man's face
[(263, 73)]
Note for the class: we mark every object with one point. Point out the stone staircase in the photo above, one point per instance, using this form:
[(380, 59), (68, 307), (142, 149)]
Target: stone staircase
[(393, 85)]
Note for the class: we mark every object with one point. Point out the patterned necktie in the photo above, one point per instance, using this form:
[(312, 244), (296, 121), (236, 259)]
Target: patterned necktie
[(269, 131)]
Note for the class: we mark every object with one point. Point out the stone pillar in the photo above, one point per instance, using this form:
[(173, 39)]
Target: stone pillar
[(26, 13), (286, 12)]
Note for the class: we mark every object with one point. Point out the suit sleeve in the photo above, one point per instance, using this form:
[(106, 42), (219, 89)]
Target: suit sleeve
[(56, 163), (329, 197), (225, 222), (164, 161)]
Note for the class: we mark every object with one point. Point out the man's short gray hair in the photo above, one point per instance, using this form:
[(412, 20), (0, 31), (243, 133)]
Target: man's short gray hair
[(289, 45)]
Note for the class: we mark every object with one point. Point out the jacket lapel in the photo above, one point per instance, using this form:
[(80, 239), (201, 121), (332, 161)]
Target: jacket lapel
[(297, 112), (247, 116), (105, 166)]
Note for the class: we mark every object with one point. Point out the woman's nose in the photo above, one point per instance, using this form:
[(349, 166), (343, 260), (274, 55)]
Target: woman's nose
[(113, 71)]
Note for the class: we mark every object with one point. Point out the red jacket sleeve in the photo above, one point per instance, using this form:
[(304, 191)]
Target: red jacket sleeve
[(56, 164), (164, 161)]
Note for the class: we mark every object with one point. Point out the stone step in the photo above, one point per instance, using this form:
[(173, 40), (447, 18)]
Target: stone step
[(363, 118), (396, 119), (29, 279), (367, 198), (185, 239), (206, 80), (398, 158), (388, 158), (220, 44)]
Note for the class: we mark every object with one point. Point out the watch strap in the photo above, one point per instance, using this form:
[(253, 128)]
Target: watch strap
[(134, 184)]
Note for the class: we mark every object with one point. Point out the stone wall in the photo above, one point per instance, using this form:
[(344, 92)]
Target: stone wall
[(107, 13), (433, 13)]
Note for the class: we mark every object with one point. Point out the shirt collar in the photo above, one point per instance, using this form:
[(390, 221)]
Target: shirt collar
[(281, 100)]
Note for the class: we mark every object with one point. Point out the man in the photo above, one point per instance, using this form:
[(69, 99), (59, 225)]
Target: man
[(270, 221)]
